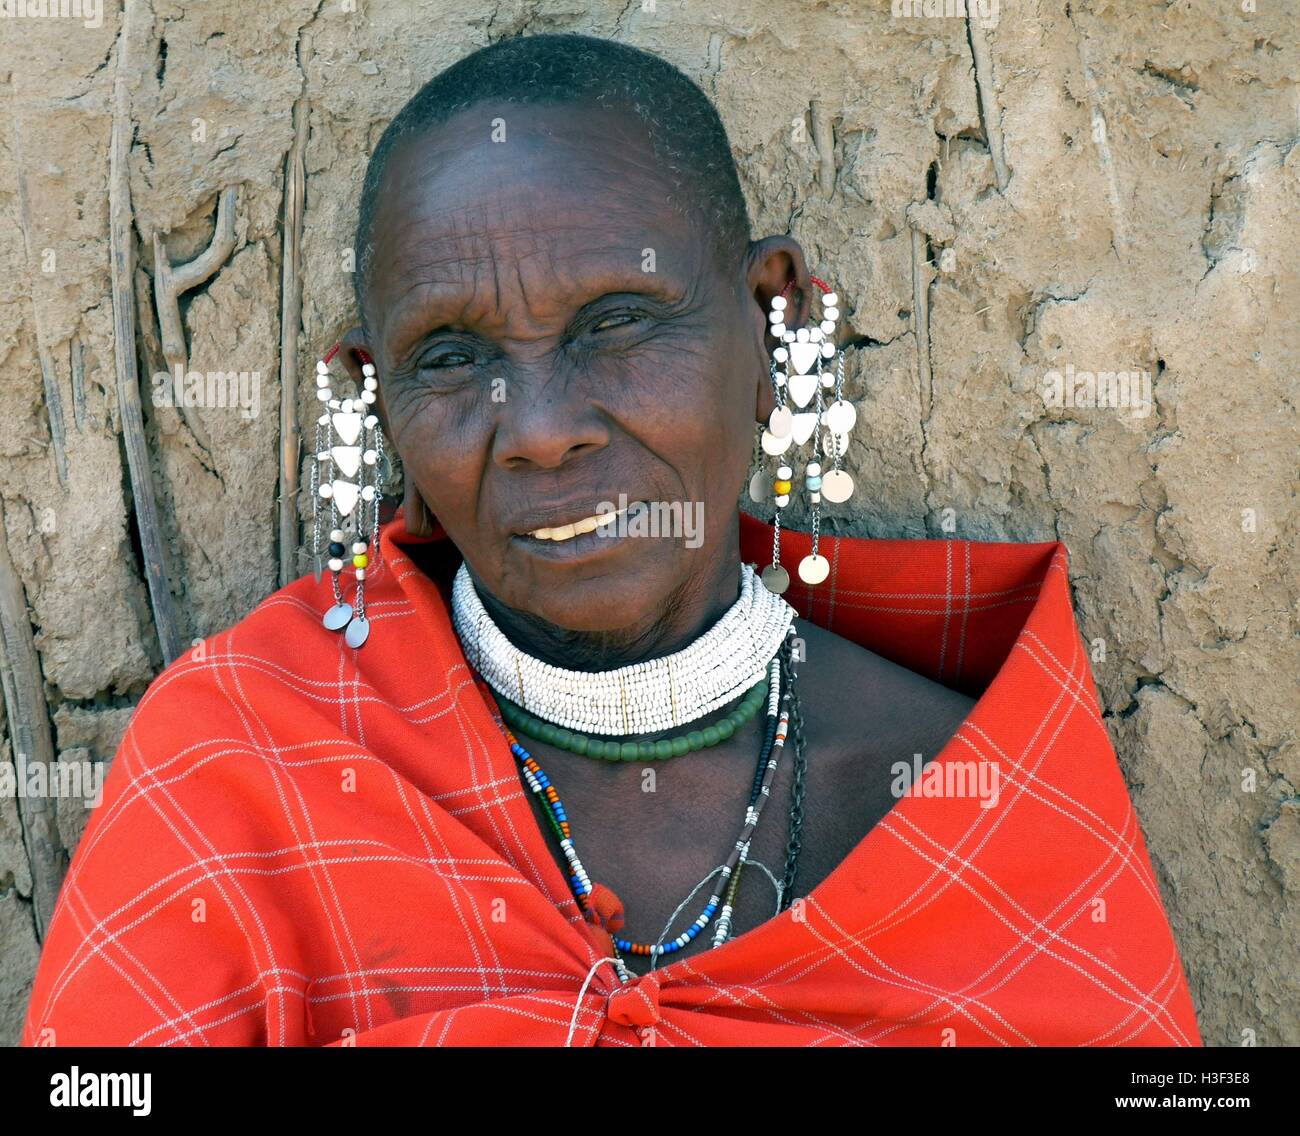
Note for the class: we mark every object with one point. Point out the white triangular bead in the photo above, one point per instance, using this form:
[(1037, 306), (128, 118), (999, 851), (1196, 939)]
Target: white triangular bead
[(345, 496), (802, 388), (348, 425), (347, 458), (803, 355)]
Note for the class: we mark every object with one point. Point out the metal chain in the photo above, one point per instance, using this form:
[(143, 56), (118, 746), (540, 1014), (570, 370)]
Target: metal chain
[(359, 596), (379, 465), (314, 482), (839, 394), (778, 389), (335, 522), (818, 455)]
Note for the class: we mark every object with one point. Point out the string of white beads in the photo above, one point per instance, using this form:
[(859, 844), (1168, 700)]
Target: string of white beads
[(660, 694)]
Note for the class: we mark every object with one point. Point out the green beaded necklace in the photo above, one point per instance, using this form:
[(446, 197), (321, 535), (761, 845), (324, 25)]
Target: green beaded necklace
[(530, 725)]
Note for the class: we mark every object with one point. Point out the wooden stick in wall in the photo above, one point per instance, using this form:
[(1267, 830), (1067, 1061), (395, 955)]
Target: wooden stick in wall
[(29, 734), (122, 265), (290, 323)]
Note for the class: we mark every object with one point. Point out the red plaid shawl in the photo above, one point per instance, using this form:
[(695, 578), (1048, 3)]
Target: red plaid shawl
[(302, 844)]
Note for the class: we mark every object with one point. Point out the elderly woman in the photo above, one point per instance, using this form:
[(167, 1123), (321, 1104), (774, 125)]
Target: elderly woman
[(526, 769)]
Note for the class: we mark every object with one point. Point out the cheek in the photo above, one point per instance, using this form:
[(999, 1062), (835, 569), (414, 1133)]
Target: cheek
[(685, 396), (442, 443)]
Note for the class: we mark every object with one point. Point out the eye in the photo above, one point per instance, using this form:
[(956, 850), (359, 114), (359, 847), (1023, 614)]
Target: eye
[(617, 319), (445, 358)]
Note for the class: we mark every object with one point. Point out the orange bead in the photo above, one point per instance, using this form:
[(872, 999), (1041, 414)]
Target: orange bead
[(781, 486)]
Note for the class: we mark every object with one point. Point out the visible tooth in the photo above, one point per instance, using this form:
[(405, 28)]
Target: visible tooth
[(586, 525)]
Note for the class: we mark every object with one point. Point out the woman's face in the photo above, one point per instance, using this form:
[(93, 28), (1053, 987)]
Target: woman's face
[(551, 333)]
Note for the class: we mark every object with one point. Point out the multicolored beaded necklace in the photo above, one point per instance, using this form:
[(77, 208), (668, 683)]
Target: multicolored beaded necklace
[(722, 901)]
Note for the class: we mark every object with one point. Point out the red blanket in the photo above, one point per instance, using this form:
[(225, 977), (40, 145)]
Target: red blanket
[(302, 844)]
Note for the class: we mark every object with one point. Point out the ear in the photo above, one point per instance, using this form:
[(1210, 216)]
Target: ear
[(419, 521), (773, 266), (350, 347)]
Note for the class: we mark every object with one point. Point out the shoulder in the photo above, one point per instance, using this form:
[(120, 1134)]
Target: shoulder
[(836, 661), (873, 698)]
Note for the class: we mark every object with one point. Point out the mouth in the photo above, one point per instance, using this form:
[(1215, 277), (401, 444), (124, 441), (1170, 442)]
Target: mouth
[(580, 527), (580, 540)]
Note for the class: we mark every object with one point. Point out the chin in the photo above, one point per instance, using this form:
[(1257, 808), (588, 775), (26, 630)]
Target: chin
[(623, 584)]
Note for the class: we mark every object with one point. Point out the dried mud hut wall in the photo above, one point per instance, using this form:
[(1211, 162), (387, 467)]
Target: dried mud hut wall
[(1063, 186)]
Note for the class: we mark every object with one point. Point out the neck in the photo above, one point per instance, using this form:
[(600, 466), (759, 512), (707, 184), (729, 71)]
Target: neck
[(694, 606)]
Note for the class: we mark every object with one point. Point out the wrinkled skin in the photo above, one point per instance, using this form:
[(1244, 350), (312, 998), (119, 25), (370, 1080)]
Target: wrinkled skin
[(527, 357)]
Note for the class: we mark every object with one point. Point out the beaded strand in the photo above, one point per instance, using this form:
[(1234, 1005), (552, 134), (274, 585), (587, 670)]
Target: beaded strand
[(761, 783), (579, 880)]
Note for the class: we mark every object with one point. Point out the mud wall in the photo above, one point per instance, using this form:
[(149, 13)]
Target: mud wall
[(1054, 187)]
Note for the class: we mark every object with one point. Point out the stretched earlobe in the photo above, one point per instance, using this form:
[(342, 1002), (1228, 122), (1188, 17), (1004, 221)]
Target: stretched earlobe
[(352, 347), (419, 521)]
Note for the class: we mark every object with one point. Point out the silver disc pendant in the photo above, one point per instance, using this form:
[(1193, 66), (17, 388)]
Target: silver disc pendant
[(813, 569), (775, 578), (773, 445), (337, 617), (837, 486), (780, 422), (840, 416), (357, 632), (758, 487)]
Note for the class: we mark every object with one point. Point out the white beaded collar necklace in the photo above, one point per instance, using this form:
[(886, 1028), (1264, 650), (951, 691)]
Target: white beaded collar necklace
[(643, 698)]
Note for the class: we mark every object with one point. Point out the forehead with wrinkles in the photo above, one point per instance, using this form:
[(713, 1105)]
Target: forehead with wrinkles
[(503, 233)]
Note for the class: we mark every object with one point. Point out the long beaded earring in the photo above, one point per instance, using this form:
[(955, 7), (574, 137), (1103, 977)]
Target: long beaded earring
[(345, 474), (807, 355)]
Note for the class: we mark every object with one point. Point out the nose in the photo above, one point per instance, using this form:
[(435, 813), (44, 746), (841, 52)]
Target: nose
[(546, 420)]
